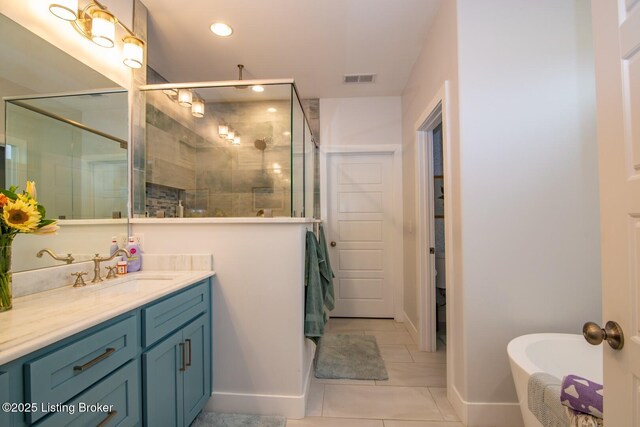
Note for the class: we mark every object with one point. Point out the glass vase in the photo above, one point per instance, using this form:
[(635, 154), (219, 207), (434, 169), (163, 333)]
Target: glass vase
[(6, 278)]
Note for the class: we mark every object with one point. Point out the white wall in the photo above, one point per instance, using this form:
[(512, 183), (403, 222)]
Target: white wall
[(530, 213), (360, 121), (437, 63)]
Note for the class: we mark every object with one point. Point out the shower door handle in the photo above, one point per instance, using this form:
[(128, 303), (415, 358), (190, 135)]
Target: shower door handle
[(612, 333)]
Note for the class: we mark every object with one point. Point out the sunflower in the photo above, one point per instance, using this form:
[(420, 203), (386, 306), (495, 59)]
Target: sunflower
[(21, 215)]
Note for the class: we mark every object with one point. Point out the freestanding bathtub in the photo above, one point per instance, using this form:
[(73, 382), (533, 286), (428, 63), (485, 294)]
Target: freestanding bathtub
[(555, 354)]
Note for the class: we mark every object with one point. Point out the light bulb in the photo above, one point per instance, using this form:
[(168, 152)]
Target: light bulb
[(133, 51), (103, 28), (185, 97), (221, 29), (230, 135), (223, 130), (197, 108), (257, 88), (236, 140)]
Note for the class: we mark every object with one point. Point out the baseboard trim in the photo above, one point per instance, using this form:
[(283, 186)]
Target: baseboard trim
[(459, 405), (479, 414), (289, 406), (413, 331)]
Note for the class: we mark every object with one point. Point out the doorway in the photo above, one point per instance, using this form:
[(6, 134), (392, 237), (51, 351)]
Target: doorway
[(360, 205)]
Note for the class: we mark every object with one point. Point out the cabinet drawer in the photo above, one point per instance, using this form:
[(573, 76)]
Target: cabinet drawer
[(60, 375), (116, 400), (166, 316)]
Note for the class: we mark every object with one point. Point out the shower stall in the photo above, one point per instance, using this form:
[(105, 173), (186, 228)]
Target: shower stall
[(223, 149)]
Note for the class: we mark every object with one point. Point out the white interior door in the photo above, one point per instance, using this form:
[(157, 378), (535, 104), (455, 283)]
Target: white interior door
[(360, 214), (616, 34)]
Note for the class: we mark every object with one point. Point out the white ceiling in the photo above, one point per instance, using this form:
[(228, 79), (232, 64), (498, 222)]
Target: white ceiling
[(315, 42)]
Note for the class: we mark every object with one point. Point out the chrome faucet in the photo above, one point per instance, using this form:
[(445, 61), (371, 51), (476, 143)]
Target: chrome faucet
[(68, 259), (97, 260)]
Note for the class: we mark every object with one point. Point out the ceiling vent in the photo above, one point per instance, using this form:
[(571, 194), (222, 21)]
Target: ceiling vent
[(359, 78)]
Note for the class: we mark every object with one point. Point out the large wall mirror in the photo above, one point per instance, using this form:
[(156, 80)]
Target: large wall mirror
[(65, 126)]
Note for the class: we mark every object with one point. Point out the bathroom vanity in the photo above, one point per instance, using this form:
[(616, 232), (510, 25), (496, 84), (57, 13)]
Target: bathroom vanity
[(131, 351)]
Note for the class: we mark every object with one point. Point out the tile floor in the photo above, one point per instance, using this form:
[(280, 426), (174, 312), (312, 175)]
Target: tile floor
[(414, 396)]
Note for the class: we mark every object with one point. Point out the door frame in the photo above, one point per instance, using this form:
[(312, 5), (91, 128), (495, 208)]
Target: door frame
[(395, 150), (437, 111)]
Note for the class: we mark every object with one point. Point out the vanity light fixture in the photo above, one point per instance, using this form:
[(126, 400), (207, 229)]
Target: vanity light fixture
[(197, 108), (96, 23), (171, 93), (257, 88), (65, 9), (103, 28), (221, 29), (230, 135), (223, 130), (133, 50), (236, 140), (271, 110), (185, 97)]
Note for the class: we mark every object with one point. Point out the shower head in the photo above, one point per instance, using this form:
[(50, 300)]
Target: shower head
[(240, 68)]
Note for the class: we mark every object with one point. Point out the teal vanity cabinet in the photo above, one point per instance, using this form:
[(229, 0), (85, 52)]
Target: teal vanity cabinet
[(150, 366), (177, 368)]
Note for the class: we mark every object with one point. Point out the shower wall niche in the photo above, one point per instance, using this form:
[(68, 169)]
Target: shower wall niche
[(224, 149)]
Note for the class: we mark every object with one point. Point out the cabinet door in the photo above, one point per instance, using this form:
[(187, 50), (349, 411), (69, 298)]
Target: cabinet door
[(197, 376), (163, 393), (5, 396)]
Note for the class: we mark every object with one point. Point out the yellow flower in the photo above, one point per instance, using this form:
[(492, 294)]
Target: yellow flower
[(26, 199), (21, 215), (48, 229), (31, 189)]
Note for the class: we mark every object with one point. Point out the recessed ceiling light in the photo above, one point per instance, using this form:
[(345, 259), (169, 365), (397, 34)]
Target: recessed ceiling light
[(257, 88), (271, 110), (221, 29)]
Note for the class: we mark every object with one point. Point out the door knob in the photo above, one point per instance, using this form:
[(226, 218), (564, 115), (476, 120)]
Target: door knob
[(612, 333), (333, 244)]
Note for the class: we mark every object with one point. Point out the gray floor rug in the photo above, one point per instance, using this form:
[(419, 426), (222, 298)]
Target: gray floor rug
[(355, 357), (215, 419)]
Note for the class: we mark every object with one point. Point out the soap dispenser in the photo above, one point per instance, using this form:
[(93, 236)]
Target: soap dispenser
[(114, 246), (134, 262), (179, 209)]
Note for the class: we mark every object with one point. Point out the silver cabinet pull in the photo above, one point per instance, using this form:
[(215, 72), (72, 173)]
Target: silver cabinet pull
[(111, 415), (108, 352), (612, 333), (188, 341)]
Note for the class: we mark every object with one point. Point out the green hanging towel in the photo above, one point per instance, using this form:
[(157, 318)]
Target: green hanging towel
[(326, 272), (314, 317)]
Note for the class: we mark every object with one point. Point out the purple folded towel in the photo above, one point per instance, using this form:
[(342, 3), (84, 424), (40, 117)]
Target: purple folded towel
[(582, 395)]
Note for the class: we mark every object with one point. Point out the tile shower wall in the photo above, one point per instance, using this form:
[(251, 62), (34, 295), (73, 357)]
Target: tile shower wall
[(185, 158), (162, 201), (242, 180)]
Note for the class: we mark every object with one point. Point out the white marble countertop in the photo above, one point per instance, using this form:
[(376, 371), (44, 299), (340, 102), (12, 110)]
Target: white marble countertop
[(40, 319)]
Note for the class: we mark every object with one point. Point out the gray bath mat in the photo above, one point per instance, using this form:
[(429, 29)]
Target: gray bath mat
[(355, 357), (215, 419)]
